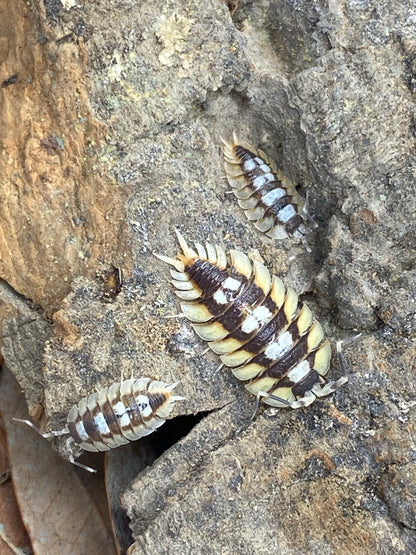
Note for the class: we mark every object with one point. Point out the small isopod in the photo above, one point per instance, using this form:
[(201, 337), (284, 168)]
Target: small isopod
[(267, 197), (115, 415), (256, 324)]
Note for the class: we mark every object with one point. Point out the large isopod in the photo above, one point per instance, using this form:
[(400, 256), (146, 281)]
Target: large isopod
[(254, 323)]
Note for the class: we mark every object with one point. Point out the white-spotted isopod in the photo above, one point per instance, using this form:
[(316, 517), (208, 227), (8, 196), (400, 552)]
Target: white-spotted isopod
[(254, 323), (267, 197), (115, 415)]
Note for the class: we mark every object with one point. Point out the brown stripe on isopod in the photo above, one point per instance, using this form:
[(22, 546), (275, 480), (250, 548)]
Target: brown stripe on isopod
[(255, 323), (267, 197)]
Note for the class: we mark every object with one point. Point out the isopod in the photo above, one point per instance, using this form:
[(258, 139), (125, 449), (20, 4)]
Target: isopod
[(254, 323), (267, 197), (115, 415)]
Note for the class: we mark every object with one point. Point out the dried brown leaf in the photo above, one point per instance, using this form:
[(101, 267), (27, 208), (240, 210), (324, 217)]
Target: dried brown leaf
[(56, 508), (12, 525)]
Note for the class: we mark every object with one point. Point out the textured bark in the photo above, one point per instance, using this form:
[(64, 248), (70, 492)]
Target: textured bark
[(60, 210), (140, 94)]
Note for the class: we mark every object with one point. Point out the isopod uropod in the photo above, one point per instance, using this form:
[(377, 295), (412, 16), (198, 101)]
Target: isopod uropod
[(256, 324), (267, 197), (115, 415)]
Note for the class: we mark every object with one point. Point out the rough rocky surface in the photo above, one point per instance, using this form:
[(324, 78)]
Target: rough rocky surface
[(327, 89)]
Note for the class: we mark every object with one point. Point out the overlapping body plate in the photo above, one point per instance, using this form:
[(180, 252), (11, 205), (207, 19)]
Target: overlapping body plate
[(267, 197), (123, 412), (254, 323)]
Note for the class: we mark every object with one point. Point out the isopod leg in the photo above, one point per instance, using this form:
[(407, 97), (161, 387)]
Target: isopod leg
[(73, 461), (305, 244), (305, 211), (173, 316), (339, 350), (305, 401), (53, 433), (261, 394), (256, 408), (329, 387)]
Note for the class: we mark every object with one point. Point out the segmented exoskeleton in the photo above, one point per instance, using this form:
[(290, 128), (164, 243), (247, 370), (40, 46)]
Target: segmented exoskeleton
[(267, 197), (256, 324), (115, 415)]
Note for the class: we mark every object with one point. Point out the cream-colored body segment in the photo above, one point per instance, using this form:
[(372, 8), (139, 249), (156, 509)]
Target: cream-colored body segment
[(269, 200), (275, 344), (116, 415)]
